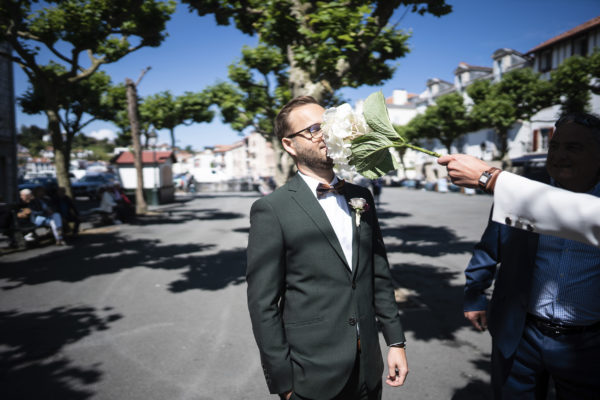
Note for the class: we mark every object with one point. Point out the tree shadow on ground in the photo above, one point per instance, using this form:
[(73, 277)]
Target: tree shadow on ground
[(476, 389), (385, 214), (108, 253), (433, 241), (32, 365), (431, 305), (183, 216)]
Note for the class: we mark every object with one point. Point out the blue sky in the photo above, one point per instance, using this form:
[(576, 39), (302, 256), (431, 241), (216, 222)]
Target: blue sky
[(197, 52)]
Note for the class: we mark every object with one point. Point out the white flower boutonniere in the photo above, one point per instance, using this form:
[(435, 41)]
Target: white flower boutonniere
[(359, 205)]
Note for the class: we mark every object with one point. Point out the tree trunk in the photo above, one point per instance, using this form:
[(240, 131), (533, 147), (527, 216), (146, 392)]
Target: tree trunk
[(132, 111), (172, 132), (503, 142), (61, 151), (284, 167)]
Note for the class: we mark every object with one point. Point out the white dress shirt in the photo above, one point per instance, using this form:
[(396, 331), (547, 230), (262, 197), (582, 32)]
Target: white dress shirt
[(338, 213)]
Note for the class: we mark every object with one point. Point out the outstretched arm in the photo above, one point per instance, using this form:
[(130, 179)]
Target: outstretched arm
[(527, 204)]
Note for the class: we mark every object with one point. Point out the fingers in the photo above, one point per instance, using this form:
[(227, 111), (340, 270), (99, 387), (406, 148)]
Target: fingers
[(398, 378), (483, 319), (444, 160), (478, 319), (397, 368)]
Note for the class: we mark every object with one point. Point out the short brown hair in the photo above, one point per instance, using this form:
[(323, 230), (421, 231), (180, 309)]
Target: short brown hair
[(282, 125)]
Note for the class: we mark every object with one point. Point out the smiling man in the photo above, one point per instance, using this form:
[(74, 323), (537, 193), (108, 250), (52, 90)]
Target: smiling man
[(318, 277), (544, 314)]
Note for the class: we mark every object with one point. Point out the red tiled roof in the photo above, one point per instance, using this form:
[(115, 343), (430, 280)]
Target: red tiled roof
[(148, 157), (572, 32)]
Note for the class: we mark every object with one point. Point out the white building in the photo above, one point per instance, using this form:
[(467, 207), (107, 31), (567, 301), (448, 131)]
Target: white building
[(525, 137)]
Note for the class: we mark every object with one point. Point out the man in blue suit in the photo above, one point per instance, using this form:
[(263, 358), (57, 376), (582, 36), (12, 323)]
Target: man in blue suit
[(544, 314)]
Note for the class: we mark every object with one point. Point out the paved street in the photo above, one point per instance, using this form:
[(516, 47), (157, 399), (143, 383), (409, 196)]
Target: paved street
[(157, 309)]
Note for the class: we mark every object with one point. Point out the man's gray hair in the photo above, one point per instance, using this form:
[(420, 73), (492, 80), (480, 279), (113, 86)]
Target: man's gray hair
[(26, 192)]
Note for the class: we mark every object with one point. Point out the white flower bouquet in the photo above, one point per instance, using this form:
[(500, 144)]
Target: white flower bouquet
[(361, 143)]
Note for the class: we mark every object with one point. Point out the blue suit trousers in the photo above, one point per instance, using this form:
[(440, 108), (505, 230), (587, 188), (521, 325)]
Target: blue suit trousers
[(571, 360)]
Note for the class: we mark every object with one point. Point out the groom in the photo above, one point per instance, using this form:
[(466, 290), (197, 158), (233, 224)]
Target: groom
[(318, 276)]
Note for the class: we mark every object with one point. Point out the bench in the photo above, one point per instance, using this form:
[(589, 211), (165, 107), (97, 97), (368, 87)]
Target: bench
[(17, 228)]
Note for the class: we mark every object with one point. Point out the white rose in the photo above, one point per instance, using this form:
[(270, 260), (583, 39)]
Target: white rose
[(341, 125)]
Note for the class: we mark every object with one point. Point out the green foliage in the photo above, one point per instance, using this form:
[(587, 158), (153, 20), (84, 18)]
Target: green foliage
[(306, 47), (571, 81), (104, 30), (101, 149), (258, 88), (371, 155), (446, 121), (89, 97), (165, 111), (345, 43), (519, 95), (376, 116), (31, 137)]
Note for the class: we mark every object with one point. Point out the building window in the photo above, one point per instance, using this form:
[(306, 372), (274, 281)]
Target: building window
[(546, 61), (580, 46)]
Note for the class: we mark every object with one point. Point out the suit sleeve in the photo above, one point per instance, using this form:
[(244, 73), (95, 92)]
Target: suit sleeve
[(265, 277), (481, 269), (527, 204), (386, 308)]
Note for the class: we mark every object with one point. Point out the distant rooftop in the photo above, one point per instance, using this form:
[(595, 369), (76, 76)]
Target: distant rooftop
[(592, 23)]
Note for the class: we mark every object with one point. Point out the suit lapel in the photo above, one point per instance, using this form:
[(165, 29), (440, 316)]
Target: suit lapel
[(307, 201)]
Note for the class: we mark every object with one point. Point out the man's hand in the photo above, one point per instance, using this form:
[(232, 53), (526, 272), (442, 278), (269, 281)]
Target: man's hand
[(463, 170), (398, 366), (287, 395), (478, 319)]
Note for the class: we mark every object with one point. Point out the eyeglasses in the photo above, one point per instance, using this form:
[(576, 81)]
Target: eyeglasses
[(314, 130)]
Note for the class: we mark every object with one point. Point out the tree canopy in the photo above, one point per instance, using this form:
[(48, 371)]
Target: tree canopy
[(103, 30), (518, 96), (307, 48), (165, 111)]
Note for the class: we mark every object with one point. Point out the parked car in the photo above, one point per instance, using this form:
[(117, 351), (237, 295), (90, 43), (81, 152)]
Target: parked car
[(90, 185), (48, 183)]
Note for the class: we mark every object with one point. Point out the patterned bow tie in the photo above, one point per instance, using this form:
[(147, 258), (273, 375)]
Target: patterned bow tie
[(323, 189)]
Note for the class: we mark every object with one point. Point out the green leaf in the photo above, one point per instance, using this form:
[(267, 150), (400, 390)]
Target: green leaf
[(377, 117), (371, 155)]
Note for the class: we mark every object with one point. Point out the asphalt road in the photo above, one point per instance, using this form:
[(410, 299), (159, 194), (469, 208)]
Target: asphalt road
[(157, 309)]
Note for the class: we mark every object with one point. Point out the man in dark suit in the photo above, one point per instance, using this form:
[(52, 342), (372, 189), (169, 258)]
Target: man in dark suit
[(318, 277), (544, 314)]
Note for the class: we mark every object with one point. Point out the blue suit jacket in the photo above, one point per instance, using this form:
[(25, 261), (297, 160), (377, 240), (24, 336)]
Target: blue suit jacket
[(514, 250)]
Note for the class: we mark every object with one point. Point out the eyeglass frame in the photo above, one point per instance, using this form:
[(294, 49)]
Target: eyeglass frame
[(308, 129)]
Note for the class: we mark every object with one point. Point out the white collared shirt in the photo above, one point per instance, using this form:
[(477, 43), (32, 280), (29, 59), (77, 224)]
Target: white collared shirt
[(338, 213)]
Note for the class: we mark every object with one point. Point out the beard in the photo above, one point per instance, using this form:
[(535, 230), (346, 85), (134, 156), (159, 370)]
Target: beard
[(314, 159)]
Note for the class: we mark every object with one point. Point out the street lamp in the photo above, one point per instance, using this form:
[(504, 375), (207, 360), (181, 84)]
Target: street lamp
[(152, 140)]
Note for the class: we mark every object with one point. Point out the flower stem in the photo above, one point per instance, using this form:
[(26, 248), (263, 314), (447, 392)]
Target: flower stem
[(422, 150)]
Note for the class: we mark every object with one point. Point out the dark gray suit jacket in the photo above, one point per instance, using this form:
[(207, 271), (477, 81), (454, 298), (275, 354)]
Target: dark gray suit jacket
[(305, 301)]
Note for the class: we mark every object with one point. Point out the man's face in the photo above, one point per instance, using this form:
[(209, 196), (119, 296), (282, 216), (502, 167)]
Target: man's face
[(574, 157), (26, 197), (309, 152)]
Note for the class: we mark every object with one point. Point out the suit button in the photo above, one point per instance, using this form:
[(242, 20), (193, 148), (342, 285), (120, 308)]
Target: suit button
[(352, 321), (508, 221), (353, 285)]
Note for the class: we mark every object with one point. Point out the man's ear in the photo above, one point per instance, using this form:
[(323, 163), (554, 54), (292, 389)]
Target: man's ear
[(288, 145)]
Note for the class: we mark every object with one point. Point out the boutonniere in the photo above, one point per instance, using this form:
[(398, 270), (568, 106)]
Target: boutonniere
[(359, 205)]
